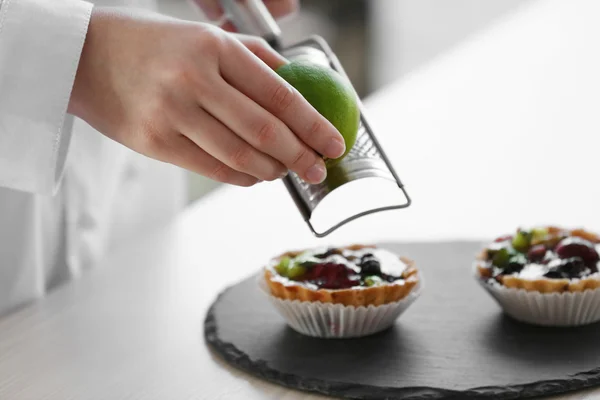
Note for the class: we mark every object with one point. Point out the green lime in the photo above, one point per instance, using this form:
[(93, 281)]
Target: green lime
[(329, 93)]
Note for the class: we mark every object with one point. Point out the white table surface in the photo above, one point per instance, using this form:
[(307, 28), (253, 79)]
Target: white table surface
[(499, 132)]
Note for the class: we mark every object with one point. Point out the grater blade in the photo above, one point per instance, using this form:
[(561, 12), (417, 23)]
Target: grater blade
[(366, 159)]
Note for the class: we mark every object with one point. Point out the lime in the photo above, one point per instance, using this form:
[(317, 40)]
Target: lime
[(329, 93)]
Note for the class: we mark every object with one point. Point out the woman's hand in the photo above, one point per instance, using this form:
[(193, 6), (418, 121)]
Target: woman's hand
[(278, 8), (198, 97)]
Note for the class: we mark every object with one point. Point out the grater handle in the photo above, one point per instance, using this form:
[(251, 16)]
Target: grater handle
[(252, 17)]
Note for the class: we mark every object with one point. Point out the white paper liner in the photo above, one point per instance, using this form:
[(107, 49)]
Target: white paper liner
[(546, 309), (327, 320)]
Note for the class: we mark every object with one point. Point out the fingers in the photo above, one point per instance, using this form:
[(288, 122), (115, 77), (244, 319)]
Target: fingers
[(263, 131), (258, 82), (262, 50), (224, 145), (188, 155)]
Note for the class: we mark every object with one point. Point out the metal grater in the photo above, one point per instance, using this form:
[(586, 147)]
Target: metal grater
[(365, 160)]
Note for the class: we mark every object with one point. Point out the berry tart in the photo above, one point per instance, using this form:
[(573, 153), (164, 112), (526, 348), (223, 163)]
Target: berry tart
[(341, 292), (545, 275)]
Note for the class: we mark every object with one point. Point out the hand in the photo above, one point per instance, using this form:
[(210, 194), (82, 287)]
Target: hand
[(278, 8), (198, 97)]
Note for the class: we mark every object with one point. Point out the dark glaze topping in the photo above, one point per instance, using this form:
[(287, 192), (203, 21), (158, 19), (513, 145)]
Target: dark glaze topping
[(543, 253), (341, 269)]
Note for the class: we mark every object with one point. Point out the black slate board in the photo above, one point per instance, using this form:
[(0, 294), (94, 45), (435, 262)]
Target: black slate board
[(452, 343)]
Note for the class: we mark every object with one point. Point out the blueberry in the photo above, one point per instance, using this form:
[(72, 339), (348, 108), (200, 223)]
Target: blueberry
[(330, 252), (515, 264), (554, 274), (567, 268), (370, 266)]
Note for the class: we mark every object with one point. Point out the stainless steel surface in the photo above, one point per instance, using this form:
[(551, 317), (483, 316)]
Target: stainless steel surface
[(365, 160)]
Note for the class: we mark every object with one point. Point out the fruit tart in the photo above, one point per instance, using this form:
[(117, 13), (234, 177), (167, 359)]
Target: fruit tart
[(545, 275), (352, 276), (341, 292)]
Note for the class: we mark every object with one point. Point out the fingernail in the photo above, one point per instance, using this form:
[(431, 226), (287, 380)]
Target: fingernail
[(283, 174), (316, 173), (335, 148)]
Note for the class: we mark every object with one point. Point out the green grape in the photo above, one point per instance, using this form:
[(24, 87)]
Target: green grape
[(502, 257), (539, 234), (522, 241), (494, 248), (283, 266), (373, 280), (296, 271)]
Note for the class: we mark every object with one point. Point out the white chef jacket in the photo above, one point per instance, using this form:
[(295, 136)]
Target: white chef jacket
[(68, 195)]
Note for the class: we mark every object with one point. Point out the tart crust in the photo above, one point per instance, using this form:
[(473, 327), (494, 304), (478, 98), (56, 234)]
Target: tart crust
[(357, 296), (545, 285)]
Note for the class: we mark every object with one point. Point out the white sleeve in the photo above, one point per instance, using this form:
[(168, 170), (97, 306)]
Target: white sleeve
[(40, 45)]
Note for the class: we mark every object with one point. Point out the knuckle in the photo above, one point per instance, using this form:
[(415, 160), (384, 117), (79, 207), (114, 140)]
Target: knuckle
[(174, 76), (253, 41), (240, 159), (261, 43), (149, 124), (314, 131), (220, 173), (152, 142), (259, 46), (209, 41), (302, 154), (266, 134), (282, 97)]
